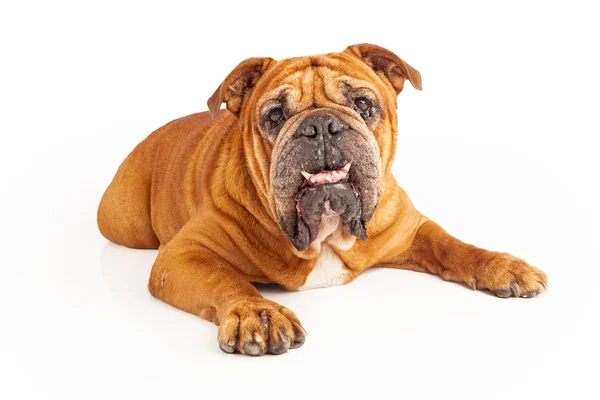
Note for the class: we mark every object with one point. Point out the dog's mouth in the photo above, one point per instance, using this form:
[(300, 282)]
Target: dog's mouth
[(327, 192), (324, 177)]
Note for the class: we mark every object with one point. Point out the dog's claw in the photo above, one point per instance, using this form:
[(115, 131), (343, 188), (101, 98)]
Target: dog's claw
[(227, 348), (526, 295), (282, 346), (298, 341), (516, 289), (252, 348), (503, 293)]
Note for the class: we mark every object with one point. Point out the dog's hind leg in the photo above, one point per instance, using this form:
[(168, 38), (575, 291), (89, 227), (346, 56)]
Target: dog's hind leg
[(124, 211)]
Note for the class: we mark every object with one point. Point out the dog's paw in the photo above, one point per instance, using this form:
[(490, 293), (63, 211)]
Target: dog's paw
[(259, 326), (506, 276)]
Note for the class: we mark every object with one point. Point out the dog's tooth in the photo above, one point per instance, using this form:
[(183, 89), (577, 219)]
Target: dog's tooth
[(347, 167), (305, 174), (328, 178)]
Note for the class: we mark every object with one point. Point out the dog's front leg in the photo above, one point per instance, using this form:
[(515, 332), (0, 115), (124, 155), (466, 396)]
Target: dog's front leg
[(192, 278), (434, 250)]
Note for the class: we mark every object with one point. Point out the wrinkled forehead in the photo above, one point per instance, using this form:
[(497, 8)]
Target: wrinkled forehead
[(315, 81)]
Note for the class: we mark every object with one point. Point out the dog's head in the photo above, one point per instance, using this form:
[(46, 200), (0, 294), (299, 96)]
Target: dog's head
[(321, 133)]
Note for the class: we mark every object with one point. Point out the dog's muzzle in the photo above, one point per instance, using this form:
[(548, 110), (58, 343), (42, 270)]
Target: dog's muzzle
[(324, 168)]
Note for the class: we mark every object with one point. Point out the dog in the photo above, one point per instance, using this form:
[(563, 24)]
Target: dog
[(291, 184)]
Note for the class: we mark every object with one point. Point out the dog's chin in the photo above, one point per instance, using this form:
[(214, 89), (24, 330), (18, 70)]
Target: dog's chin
[(326, 200), (323, 195)]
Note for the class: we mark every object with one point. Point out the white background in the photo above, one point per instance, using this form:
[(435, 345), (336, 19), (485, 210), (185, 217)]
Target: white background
[(500, 148)]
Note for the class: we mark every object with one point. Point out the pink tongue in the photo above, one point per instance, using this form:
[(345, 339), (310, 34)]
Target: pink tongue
[(328, 177)]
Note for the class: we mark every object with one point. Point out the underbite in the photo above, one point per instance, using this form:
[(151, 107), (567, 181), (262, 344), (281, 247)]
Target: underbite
[(324, 177)]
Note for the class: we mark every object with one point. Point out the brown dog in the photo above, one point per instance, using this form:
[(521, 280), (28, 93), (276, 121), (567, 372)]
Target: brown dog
[(291, 185)]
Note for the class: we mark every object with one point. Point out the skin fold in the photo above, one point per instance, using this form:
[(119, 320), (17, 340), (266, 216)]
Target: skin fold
[(220, 195)]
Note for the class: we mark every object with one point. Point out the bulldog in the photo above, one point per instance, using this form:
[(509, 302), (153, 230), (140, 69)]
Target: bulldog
[(291, 185)]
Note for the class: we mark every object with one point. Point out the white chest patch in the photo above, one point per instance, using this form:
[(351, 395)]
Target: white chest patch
[(329, 270)]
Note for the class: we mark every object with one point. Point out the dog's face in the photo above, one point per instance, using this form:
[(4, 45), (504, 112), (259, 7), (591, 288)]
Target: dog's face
[(322, 132)]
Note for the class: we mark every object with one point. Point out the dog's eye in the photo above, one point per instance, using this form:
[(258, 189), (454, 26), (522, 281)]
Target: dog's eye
[(272, 120), (275, 115), (362, 104), (363, 107)]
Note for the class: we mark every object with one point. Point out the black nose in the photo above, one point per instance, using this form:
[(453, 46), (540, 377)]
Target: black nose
[(321, 124)]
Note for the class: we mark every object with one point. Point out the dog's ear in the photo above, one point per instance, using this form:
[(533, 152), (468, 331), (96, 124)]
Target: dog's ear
[(388, 65), (238, 84)]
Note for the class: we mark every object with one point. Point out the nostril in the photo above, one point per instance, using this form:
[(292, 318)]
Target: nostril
[(335, 127)]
